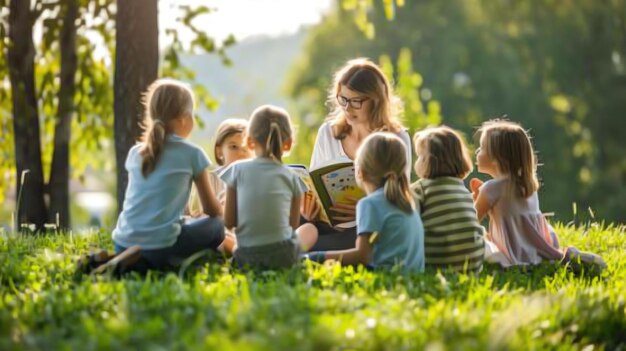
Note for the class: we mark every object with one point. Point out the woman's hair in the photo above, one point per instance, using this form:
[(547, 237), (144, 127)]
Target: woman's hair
[(270, 126), (441, 152), (228, 127), (365, 77), (382, 160), (164, 101), (508, 144)]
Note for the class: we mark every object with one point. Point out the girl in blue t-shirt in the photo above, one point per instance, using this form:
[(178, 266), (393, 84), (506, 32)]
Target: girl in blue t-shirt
[(160, 172), (263, 196), (389, 230)]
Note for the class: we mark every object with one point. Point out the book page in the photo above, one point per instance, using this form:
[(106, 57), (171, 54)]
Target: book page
[(303, 173), (336, 183)]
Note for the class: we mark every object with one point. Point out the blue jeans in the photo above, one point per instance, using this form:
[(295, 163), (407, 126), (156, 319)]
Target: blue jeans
[(196, 235)]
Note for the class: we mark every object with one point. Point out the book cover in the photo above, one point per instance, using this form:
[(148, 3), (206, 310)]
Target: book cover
[(331, 184)]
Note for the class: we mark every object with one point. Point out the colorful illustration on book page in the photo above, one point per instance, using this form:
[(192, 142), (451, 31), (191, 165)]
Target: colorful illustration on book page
[(341, 185)]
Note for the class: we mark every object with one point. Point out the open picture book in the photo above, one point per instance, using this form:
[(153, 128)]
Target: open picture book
[(331, 184)]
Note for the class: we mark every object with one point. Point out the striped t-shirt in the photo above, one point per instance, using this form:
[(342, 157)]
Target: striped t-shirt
[(453, 237)]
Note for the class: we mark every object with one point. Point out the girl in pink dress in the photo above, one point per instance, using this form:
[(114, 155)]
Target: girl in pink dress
[(518, 232)]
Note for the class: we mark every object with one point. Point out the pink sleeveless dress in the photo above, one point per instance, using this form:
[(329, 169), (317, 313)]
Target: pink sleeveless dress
[(518, 232)]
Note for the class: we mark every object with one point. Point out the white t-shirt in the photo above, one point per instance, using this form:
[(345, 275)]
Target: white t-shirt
[(265, 190), (327, 148)]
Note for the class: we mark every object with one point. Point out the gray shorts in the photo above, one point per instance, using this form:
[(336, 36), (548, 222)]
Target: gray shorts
[(282, 254)]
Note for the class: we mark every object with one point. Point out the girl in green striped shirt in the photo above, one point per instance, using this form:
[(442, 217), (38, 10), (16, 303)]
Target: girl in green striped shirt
[(453, 237)]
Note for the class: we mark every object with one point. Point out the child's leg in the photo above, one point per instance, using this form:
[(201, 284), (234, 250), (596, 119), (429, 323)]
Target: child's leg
[(197, 235), (307, 235), (229, 245), (574, 255)]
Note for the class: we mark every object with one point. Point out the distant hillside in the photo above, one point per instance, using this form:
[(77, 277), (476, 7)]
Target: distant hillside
[(259, 69)]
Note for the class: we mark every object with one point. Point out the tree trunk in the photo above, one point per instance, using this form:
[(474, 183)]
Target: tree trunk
[(136, 66), (21, 54), (60, 170)]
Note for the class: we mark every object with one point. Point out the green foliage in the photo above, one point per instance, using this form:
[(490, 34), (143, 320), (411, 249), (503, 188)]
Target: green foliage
[(172, 66), (361, 8), (43, 305), (92, 124), (556, 67)]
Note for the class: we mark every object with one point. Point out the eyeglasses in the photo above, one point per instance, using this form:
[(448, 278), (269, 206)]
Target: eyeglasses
[(355, 103)]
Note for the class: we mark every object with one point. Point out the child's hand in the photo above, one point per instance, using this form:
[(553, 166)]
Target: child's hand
[(310, 209), (475, 184), (346, 211)]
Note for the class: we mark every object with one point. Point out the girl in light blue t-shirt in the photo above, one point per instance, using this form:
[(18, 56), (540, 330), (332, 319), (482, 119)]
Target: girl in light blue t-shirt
[(389, 230), (160, 172), (263, 196)]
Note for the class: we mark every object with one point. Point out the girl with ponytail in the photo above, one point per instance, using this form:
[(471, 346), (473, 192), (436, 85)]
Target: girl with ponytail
[(161, 170), (453, 236), (389, 230), (263, 196)]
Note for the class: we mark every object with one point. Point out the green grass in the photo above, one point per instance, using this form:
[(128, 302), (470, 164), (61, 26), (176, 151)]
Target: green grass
[(44, 306)]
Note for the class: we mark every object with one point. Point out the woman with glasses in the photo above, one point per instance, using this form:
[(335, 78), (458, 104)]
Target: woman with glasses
[(362, 103)]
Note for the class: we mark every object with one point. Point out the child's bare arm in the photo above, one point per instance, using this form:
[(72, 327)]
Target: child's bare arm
[(294, 214), (481, 203), (359, 255), (230, 213), (210, 205)]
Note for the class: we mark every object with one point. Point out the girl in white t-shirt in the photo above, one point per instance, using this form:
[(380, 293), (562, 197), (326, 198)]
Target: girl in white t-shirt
[(263, 196)]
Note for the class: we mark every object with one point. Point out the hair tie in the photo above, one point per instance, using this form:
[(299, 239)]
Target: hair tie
[(390, 175)]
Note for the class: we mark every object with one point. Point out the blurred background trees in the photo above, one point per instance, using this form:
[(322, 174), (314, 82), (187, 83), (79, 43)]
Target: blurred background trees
[(557, 67)]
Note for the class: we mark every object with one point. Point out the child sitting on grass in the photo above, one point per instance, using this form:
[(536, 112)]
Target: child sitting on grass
[(161, 170), (518, 232), (263, 197), (453, 236), (389, 230)]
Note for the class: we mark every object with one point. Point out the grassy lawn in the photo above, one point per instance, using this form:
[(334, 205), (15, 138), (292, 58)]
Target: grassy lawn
[(43, 305)]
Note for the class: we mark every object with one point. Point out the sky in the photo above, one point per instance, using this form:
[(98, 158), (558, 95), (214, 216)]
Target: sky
[(245, 18)]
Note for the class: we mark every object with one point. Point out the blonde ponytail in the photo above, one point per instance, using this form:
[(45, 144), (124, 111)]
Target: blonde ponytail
[(153, 148), (397, 191), (382, 159), (165, 100), (270, 127), (274, 143)]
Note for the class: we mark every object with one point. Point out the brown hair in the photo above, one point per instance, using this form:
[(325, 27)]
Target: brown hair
[(270, 126), (441, 152), (228, 127), (164, 101), (509, 145), (382, 159), (364, 76)]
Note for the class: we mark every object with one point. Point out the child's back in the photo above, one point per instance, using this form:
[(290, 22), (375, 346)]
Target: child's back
[(265, 189), (153, 205), (400, 238), (517, 227), (453, 237)]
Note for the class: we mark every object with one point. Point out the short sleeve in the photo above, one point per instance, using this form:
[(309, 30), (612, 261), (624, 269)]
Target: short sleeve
[(132, 154), (320, 148), (367, 220), (492, 190), (404, 135), (200, 162), (417, 190), (229, 175), (299, 187)]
